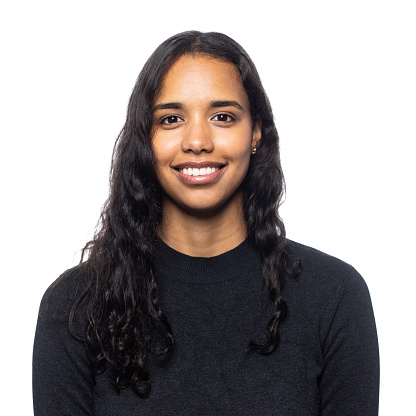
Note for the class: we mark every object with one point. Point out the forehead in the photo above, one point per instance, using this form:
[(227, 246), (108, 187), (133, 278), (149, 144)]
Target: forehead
[(203, 78)]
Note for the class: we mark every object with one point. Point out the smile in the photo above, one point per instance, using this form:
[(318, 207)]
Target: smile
[(204, 174), (199, 171)]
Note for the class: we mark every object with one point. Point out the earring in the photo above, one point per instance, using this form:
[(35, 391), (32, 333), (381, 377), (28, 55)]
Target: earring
[(253, 152)]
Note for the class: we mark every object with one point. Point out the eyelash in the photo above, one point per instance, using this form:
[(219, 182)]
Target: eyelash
[(165, 119), (231, 118)]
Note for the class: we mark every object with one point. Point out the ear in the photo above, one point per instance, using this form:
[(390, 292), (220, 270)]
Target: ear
[(256, 134)]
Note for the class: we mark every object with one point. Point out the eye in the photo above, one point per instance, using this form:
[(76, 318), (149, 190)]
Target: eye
[(224, 118), (171, 120)]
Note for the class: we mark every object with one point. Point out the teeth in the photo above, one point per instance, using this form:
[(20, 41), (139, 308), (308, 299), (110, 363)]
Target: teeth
[(198, 172)]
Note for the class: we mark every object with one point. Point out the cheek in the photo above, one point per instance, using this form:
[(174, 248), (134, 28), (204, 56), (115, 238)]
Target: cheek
[(161, 162), (164, 150), (237, 146)]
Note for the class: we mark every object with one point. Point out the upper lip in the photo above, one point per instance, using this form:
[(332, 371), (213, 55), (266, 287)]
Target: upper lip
[(198, 165)]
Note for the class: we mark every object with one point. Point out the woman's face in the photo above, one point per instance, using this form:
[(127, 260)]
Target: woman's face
[(203, 135)]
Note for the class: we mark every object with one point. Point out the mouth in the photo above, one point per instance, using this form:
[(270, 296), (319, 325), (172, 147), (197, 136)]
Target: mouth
[(199, 171)]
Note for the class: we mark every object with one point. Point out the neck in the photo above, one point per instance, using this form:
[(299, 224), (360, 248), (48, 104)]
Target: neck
[(202, 234)]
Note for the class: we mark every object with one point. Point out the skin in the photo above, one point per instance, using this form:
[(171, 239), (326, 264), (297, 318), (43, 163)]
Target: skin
[(200, 119)]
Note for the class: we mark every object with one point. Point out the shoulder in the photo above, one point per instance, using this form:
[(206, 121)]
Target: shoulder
[(330, 295), (321, 267), (316, 260), (62, 294), (324, 278)]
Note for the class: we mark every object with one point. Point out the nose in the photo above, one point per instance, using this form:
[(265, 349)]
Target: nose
[(197, 137)]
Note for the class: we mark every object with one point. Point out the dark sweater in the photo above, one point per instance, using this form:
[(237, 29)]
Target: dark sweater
[(326, 363)]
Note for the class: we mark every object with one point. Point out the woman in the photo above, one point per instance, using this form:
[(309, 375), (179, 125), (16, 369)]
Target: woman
[(192, 301)]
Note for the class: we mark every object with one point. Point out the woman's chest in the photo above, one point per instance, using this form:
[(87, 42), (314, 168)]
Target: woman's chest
[(210, 371)]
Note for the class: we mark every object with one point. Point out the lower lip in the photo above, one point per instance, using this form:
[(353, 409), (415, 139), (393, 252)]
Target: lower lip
[(200, 179)]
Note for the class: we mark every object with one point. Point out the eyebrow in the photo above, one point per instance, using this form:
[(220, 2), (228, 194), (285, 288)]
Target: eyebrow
[(165, 106), (213, 104), (226, 104)]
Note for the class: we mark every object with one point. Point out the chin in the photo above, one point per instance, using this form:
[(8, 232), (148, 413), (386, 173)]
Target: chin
[(204, 210)]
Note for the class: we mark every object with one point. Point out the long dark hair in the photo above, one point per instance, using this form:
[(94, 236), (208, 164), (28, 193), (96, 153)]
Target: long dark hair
[(125, 320)]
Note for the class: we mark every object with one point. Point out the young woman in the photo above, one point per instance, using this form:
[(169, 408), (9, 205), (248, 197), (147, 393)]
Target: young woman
[(192, 301)]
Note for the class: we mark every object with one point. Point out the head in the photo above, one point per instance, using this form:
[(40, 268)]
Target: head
[(134, 147)]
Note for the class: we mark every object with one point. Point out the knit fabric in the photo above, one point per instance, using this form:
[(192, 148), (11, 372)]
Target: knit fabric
[(327, 361)]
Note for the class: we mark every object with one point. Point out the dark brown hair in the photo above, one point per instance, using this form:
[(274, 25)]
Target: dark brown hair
[(124, 315)]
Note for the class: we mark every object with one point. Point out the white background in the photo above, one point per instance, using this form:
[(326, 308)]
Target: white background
[(341, 79)]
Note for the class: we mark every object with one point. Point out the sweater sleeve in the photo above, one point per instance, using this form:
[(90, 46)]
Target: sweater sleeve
[(62, 381), (349, 383)]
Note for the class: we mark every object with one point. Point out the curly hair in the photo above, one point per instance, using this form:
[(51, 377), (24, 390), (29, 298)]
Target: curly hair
[(125, 320)]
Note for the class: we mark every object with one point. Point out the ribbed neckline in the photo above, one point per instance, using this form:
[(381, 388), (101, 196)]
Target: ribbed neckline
[(204, 270)]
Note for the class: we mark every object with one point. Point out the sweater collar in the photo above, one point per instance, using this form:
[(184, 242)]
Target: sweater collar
[(203, 270)]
